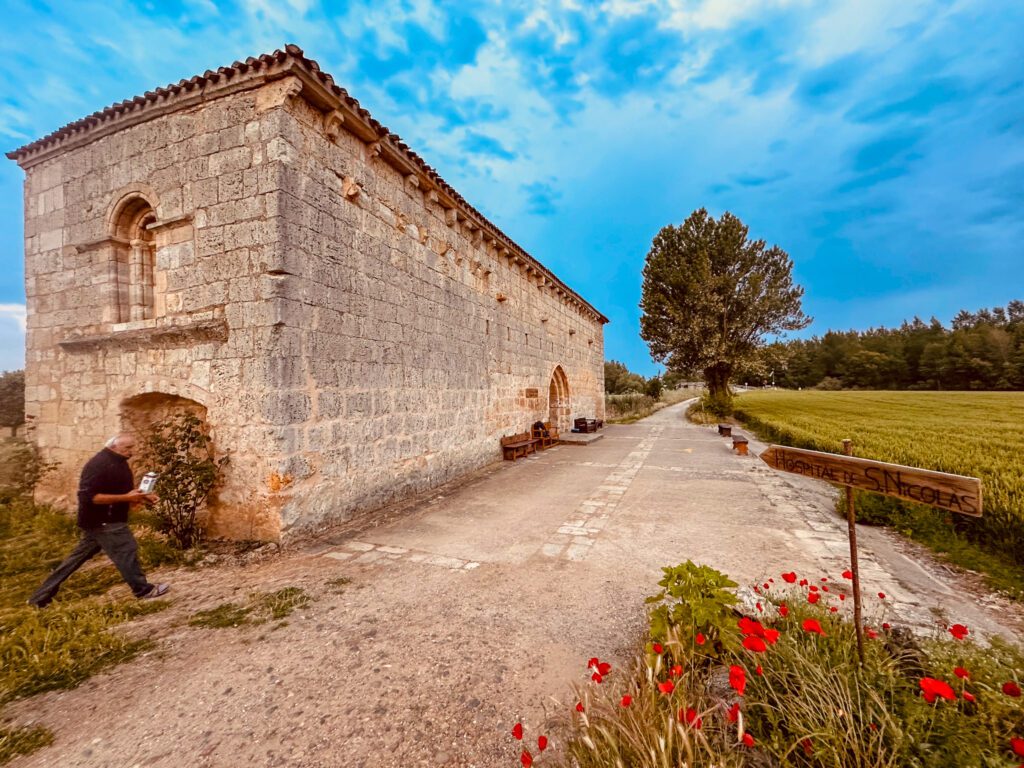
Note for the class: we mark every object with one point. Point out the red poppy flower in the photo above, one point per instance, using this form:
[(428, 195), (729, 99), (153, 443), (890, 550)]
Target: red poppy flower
[(824, 578), (812, 625), (968, 696), (748, 740), (771, 581), (959, 631), (667, 687), (755, 644), (677, 670), (807, 747), (842, 596), (604, 668), (542, 743), (813, 597), (847, 574), (526, 759), (517, 730), (933, 688), (783, 611), (579, 706), (597, 677), (813, 587), (770, 636), (626, 700), (881, 595), (833, 609), (749, 626), (766, 586), (593, 662), (700, 639), (1018, 746), (789, 578), (887, 626), (759, 671), (738, 678), (759, 608), (824, 588), (803, 582), (962, 673), (689, 716), (657, 648), (1011, 689), (870, 633), (757, 590)]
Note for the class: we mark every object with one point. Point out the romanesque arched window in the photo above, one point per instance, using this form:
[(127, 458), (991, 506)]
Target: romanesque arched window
[(135, 254)]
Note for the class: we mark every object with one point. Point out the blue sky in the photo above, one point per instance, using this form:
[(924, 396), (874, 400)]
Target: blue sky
[(881, 144)]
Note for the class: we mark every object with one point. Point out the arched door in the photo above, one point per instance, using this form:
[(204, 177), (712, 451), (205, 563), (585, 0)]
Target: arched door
[(559, 408)]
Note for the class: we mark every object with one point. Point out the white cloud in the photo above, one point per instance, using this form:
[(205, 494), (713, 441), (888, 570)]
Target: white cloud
[(15, 312), (688, 15)]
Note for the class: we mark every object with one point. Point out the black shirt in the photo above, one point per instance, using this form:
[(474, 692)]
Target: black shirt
[(106, 472)]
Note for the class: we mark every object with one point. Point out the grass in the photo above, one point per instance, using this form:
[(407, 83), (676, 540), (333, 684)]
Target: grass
[(75, 637), (980, 434), (260, 608), (22, 741)]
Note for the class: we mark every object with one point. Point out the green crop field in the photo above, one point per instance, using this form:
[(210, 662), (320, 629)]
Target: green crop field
[(967, 433)]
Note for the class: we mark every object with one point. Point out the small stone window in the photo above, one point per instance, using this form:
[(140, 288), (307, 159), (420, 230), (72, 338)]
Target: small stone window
[(135, 257)]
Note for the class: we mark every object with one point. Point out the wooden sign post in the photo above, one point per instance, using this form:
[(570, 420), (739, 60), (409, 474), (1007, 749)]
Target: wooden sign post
[(955, 493)]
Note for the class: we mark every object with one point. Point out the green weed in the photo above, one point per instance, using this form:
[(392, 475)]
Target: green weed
[(22, 741), (260, 608)]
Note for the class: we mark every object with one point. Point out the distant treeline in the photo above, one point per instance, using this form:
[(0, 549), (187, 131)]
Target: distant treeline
[(982, 350)]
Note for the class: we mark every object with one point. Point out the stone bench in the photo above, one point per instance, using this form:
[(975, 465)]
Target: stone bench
[(725, 430), (739, 444)]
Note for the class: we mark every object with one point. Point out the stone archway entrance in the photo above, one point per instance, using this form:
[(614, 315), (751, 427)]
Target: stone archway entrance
[(559, 407)]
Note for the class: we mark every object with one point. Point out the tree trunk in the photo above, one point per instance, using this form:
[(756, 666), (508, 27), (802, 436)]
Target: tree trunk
[(717, 378)]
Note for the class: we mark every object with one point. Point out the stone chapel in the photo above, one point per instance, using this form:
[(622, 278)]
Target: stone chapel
[(252, 246)]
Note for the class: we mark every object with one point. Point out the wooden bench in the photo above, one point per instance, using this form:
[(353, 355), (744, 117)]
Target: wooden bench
[(725, 430), (514, 446), (739, 444), (546, 435)]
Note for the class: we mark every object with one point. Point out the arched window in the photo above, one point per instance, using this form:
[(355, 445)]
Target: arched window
[(135, 254)]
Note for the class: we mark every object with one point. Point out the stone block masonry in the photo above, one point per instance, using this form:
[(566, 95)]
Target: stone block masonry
[(252, 246)]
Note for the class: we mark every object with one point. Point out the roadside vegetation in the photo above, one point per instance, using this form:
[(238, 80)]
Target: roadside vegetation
[(980, 434), (630, 397), (259, 608), (776, 681)]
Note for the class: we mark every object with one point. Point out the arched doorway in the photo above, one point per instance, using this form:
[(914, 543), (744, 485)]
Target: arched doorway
[(559, 407)]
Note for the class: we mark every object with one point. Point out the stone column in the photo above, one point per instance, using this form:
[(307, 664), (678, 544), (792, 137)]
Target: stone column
[(136, 284)]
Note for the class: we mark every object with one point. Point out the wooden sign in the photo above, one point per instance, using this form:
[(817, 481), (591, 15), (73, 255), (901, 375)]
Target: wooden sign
[(938, 489)]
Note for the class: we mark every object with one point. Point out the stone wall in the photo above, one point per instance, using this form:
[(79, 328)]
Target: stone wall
[(350, 338), (416, 343), (214, 187)]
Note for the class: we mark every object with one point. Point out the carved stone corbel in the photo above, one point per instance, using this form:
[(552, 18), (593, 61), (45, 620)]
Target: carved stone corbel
[(451, 217), (332, 124), (351, 189), (373, 148)]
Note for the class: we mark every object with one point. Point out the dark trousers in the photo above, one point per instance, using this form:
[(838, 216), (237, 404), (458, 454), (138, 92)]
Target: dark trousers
[(116, 540)]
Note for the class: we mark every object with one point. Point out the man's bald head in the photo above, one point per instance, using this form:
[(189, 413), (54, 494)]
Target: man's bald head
[(122, 444)]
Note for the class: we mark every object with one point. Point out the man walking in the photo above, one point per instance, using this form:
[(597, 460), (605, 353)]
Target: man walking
[(105, 492)]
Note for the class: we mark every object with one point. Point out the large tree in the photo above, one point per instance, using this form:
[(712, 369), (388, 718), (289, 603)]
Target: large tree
[(711, 296)]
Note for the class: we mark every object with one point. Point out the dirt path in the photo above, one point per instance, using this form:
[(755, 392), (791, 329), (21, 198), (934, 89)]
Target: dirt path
[(477, 607)]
